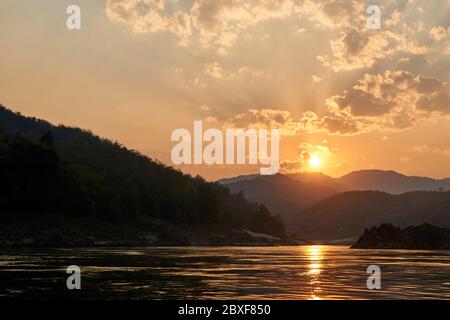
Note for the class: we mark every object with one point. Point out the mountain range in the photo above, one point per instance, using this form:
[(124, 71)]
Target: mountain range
[(66, 186), (316, 206), (365, 180)]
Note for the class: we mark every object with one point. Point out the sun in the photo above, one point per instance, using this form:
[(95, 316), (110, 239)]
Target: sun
[(314, 161)]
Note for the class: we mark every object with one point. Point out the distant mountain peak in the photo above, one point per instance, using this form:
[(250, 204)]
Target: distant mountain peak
[(374, 172)]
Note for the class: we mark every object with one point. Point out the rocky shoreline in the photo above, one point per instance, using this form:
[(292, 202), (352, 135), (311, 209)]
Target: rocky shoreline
[(52, 232)]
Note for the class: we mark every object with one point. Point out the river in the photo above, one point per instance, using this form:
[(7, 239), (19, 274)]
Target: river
[(296, 272)]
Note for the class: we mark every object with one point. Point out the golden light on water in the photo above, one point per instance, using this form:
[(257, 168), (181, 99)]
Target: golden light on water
[(315, 253), (315, 256), (314, 268)]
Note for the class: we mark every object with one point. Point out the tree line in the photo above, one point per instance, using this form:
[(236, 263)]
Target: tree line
[(60, 170)]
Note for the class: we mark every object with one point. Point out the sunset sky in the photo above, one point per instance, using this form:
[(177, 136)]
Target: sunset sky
[(138, 69)]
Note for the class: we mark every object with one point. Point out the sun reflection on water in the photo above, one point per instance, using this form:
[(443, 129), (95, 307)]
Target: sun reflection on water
[(315, 256)]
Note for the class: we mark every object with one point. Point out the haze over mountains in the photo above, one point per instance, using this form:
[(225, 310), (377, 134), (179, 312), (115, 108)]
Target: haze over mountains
[(390, 182), (316, 206), (364, 180)]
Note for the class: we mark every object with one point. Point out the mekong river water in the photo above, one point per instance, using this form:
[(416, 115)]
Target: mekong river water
[(292, 272)]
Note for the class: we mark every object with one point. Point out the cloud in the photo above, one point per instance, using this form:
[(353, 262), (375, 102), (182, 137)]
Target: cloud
[(333, 122), (265, 118), (439, 102), (394, 19), (360, 48), (216, 71), (219, 24), (305, 152), (363, 103), (381, 100), (316, 79), (216, 21), (391, 101), (438, 33), (336, 13), (320, 150), (213, 22), (146, 16), (393, 91)]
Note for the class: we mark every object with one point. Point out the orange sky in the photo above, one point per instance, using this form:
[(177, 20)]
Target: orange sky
[(139, 69)]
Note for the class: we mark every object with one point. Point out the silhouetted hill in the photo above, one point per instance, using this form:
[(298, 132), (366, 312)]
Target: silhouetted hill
[(283, 194), (423, 237), (57, 173), (390, 182), (287, 195), (347, 214)]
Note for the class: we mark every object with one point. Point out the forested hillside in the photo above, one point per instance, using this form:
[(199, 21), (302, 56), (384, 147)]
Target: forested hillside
[(70, 172)]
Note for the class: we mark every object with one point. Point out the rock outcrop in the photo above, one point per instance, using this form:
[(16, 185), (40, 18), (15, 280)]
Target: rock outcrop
[(387, 236)]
